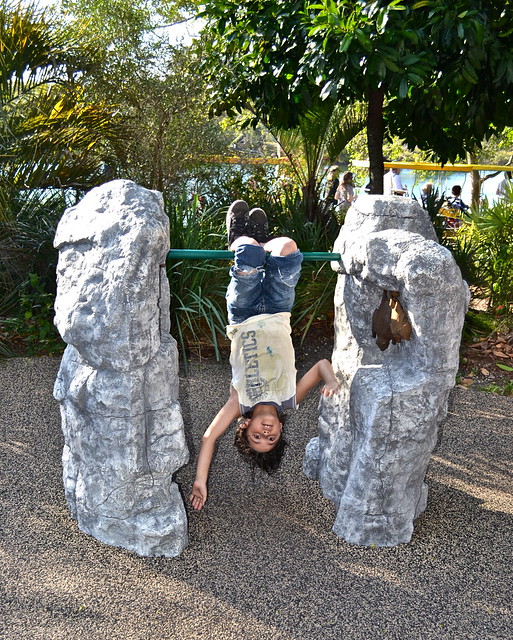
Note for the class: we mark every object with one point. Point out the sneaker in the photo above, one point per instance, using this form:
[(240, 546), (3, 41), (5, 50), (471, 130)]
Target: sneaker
[(237, 220), (258, 226)]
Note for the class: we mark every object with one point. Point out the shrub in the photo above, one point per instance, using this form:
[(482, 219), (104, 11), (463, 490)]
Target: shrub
[(490, 236)]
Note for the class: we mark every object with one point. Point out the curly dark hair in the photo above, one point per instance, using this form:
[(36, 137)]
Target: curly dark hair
[(268, 461)]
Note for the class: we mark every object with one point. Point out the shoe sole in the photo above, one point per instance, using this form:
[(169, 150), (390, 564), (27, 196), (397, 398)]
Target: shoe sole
[(259, 224), (237, 211)]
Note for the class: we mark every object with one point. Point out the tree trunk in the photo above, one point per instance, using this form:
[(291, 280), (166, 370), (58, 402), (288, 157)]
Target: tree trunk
[(311, 202), (375, 140), (475, 181)]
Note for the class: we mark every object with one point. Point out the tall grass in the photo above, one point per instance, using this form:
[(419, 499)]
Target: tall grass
[(491, 235), (483, 249), (198, 316), (316, 287)]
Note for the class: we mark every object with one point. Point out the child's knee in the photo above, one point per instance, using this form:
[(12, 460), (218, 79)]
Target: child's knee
[(241, 240), (281, 246)]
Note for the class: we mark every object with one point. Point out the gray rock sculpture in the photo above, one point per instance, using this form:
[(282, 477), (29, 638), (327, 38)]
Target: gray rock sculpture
[(376, 437), (118, 381)]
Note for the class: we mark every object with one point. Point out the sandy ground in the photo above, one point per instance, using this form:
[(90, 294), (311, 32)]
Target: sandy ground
[(262, 561)]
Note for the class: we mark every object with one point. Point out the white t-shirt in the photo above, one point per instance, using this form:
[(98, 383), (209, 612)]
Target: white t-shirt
[(263, 361), (388, 183), (392, 183)]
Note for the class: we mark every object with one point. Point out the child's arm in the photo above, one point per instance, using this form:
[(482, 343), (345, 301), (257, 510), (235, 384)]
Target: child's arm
[(217, 427), (322, 370)]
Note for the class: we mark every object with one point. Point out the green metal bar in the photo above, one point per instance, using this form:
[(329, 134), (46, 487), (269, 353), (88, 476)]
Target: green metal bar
[(207, 254)]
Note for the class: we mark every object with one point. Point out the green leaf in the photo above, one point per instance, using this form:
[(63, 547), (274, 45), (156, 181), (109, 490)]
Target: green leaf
[(409, 60), (345, 43), (504, 367), (468, 72), (391, 65), (327, 89), (381, 21), (415, 78), (363, 39), (314, 30)]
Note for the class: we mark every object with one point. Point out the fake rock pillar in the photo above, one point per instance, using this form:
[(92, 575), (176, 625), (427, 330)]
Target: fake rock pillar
[(118, 381), (376, 436)]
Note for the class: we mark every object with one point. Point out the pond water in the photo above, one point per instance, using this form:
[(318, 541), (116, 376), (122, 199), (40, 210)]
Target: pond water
[(445, 180)]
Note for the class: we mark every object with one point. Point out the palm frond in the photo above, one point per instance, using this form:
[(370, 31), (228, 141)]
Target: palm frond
[(322, 134)]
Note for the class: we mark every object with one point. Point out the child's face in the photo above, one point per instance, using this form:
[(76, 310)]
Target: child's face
[(263, 432)]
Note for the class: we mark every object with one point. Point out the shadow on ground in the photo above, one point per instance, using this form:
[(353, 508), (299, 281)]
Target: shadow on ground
[(262, 561)]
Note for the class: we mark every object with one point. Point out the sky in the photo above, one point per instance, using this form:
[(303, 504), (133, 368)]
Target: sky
[(179, 33), (184, 32)]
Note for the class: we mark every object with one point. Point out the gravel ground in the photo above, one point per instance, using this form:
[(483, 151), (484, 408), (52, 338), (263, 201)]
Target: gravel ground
[(262, 561)]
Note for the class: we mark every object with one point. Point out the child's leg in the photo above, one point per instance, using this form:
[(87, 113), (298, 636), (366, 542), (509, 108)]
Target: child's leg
[(282, 271), (244, 293)]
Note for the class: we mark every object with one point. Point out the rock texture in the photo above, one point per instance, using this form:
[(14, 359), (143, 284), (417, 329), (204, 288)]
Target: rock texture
[(118, 381), (376, 436)]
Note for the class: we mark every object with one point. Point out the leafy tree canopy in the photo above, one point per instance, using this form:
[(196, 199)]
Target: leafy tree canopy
[(445, 66), (159, 94), (468, 95)]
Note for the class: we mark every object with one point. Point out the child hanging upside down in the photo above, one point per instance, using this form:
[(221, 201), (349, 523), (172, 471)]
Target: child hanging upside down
[(259, 300)]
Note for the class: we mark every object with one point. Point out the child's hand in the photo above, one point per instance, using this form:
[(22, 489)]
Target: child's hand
[(330, 388), (199, 494)]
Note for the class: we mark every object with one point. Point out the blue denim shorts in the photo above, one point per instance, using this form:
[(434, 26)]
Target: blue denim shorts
[(261, 283)]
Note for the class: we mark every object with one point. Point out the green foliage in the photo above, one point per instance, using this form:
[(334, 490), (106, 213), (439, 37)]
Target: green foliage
[(491, 237), (314, 298), (8, 301), (27, 273), (156, 88), (31, 331), (502, 390), (279, 57), (198, 316), (319, 138), (432, 204), (497, 150), (478, 324), (288, 220), (464, 252), (223, 183), (316, 287), (49, 134), (466, 97), (36, 322)]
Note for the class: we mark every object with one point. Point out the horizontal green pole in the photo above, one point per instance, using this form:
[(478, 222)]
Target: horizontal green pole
[(207, 254)]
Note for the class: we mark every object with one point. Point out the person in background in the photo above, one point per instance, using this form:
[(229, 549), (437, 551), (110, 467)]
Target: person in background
[(453, 208), (392, 185), (454, 201), (503, 184), (345, 193), (425, 192), (332, 182)]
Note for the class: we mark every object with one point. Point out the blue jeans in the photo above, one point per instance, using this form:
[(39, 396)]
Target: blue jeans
[(261, 283)]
